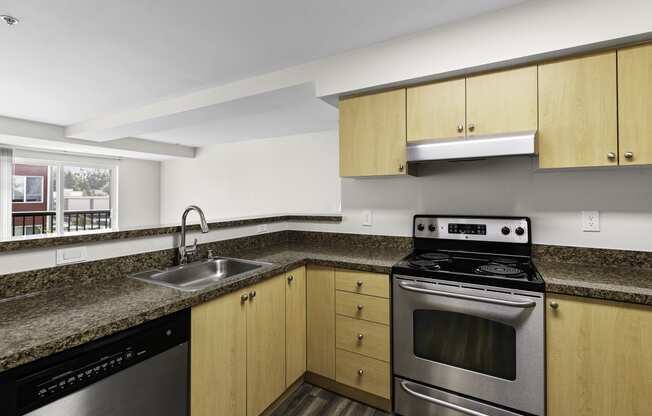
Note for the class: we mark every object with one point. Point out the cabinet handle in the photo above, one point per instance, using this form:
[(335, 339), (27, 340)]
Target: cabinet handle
[(401, 167), (360, 336), (290, 278), (460, 128), (359, 283), (554, 305), (611, 156), (360, 306), (629, 155), (471, 127), (244, 298), (360, 372), (252, 295)]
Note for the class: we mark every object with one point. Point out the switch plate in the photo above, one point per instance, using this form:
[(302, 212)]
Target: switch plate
[(367, 218), (71, 255), (590, 221)]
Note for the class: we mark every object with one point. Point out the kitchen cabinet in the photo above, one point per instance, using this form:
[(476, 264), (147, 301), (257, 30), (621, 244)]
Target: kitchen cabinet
[(238, 351), (578, 112), (436, 111), (635, 105), (599, 357), (219, 348), (372, 134), (295, 325), (320, 284), (265, 344), (364, 283), (502, 102), (363, 373)]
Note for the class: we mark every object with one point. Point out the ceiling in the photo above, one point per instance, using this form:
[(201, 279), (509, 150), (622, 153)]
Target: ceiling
[(73, 60)]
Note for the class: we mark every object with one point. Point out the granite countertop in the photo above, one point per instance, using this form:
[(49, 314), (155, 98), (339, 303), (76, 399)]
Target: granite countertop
[(617, 283), (43, 323)]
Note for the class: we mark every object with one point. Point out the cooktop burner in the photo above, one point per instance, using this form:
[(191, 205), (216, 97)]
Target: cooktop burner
[(500, 270), (435, 256), (425, 264)]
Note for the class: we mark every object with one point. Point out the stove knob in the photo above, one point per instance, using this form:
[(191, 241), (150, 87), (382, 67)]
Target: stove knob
[(420, 227), (432, 228), (519, 231), (505, 230)]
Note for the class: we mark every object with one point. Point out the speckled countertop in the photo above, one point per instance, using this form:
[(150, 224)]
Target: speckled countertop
[(44, 323)]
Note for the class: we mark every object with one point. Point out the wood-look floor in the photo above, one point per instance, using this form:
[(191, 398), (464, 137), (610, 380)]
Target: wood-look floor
[(309, 400)]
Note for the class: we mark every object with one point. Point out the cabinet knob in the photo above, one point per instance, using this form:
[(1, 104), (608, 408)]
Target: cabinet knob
[(471, 127), (252, 295), (629, 155), (460, 128), (554, 305), (360, 307), (401, 167), (360, 337), (359, 283), (361, 372), (290, 278), (244, 298), (611, 156)]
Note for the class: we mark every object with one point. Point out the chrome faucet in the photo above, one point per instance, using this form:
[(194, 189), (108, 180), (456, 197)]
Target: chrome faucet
[(184, 250)]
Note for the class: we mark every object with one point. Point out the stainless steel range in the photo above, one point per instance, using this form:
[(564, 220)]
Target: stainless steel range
[(468, 320)]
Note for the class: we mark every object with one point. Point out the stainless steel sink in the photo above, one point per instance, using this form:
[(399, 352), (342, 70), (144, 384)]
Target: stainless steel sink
[(199, 275)]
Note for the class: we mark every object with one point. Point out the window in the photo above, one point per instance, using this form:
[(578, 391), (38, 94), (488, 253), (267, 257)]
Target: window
[(86, 198), (27, 189)]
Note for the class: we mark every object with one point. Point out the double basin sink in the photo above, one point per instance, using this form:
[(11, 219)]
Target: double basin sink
[(199, 275)]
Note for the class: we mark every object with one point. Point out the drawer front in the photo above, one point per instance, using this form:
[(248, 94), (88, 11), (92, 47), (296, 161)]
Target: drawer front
[(363, 337), (365, 283), (369, 308), (363, 373)]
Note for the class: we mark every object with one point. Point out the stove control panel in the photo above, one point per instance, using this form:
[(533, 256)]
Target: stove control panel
[(503, 230)]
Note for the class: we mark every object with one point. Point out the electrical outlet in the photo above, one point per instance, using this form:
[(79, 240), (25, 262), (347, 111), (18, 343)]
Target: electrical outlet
[(262, 228), (590, 221), (367, 218)]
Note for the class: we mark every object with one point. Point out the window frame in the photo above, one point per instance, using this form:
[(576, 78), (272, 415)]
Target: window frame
[(25, 201)]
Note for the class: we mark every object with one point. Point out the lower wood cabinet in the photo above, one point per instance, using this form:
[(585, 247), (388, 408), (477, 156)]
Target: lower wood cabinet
[(295, 325), (599, 357), (238, 351), (321, 320)]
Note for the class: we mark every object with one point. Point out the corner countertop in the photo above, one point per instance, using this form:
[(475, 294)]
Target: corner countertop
[(617, 283), (44, 323)]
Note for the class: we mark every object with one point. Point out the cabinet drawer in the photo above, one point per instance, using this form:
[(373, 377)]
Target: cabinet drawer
[(365, 283), (369, 308), (363, 337), (362, 372)]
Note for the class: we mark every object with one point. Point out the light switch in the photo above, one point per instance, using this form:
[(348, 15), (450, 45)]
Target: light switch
[(71, 255), (367, 218)]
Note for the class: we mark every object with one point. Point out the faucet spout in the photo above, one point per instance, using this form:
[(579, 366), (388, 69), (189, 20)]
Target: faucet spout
[(184, 250)]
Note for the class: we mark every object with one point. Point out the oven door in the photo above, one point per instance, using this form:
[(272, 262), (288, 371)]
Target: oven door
[(480, 341)]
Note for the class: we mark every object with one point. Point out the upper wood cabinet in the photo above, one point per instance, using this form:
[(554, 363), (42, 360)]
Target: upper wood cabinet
[(635, 105), (578, 112), (436, 111), (502, 102), (372, 134), (295, 324), (265, 344), (321, 320), (219, 348), (599, 357)]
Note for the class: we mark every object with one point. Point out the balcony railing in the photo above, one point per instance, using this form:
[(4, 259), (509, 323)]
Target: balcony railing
[(44, 222)]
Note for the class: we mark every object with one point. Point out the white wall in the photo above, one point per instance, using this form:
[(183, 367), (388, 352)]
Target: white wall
[(292, 174), (139, 190)]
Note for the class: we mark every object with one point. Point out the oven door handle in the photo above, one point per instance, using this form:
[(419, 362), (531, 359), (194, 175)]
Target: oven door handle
[(512, 303), (452, 406)]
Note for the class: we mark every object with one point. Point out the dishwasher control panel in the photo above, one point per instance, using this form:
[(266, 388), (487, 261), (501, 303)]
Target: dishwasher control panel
[(51, 378)]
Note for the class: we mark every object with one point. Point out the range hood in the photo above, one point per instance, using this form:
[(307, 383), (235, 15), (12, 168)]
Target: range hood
[(511, 144)]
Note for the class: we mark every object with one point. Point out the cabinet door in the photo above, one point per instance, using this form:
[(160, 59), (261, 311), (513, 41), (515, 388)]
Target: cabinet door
[(635, 105), (372, 134), (436, 111), (218, 357), (599, 358), (577, 112), (321, 320), (502, 102), (265, 344), (295, 324)]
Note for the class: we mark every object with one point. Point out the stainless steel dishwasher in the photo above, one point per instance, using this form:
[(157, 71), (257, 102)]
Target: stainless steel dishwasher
[(140, 371)]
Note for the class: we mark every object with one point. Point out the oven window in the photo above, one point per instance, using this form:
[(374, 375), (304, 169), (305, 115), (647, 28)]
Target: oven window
[(466, 341)]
